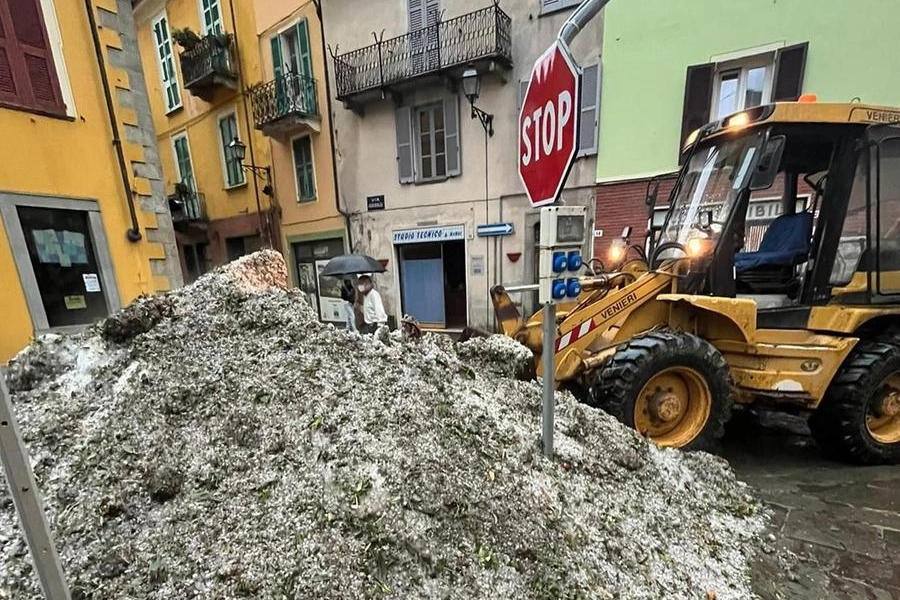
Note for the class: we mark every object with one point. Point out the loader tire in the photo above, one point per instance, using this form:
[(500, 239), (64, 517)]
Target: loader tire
[(672, 387), (859, 418)]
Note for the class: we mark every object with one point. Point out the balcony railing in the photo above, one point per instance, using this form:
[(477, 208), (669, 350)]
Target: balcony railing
[(208, 64), (285, 98), (187, 208), (479, 35)]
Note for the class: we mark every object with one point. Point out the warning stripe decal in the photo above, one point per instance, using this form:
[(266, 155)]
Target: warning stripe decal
[(575, 335)]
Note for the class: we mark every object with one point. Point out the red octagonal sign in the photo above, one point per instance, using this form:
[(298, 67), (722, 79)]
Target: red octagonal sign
[(548, 126)]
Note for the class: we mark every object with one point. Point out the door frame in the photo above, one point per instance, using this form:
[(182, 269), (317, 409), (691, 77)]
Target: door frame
[(10, 218)]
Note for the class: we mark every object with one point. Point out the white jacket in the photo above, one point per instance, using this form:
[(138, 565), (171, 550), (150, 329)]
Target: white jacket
[(373, 308)]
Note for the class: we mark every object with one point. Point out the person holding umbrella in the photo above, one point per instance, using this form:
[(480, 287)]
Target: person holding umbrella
[(373, 307), (348, 295)]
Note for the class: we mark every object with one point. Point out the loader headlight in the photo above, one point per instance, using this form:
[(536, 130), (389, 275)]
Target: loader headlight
[(617, 252), (697, 247)]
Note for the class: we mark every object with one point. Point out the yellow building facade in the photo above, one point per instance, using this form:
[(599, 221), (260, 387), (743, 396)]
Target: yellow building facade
[(290, 102), (198, 56), (83, 225), (224, 69)]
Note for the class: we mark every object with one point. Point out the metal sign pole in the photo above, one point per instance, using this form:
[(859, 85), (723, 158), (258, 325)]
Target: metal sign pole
[(549, 374), (20, 480)]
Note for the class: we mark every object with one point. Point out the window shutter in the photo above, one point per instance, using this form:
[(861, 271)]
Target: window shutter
[(451, 135), (432, 12), (303, 40), (697, 100), (404, 145), (549, 5), (590, 103), (416, 14), (520, 99), (790, 63), (27, 71), (8, 90), (277, 61)]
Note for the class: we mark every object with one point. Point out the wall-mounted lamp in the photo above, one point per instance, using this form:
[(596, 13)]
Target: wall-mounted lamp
[(471, 82)]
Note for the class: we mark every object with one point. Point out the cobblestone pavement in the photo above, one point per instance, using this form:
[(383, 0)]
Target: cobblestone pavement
[(841, 521)]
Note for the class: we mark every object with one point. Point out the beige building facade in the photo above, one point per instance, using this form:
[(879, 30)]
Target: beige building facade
[(418, 172)]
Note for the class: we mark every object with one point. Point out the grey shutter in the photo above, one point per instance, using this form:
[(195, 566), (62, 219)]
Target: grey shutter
[(416, 14), (550, 5), (520, 100), (451, 135), (405, 158), (590, 109), (432, 12), (698, 88), (790, 63)]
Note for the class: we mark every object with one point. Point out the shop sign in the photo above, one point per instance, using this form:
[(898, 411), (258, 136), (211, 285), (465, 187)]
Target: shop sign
[(430, 234)]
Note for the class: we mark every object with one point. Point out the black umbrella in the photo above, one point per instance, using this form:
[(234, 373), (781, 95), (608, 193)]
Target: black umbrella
[(351, 264)]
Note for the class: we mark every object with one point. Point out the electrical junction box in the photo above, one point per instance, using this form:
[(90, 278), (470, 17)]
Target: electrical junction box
[(563, 231)]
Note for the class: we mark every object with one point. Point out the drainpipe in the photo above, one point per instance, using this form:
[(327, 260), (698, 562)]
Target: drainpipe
[(266, 232), (337, 193), (133, 234), (578, 20)]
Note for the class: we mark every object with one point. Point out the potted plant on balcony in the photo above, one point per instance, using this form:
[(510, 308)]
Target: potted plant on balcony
[(222, 40), (186, 38)]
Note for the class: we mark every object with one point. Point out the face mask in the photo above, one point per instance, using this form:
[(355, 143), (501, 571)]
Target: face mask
[(361, 288)]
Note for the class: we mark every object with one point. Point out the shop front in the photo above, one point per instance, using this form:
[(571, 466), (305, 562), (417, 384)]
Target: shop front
[(432, 272), (324, 293)]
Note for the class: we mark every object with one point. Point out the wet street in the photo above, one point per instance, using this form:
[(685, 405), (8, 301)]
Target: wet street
[(842, 522)]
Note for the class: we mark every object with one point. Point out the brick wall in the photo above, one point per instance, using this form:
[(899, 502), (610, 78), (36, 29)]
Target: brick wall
[(622, 204)]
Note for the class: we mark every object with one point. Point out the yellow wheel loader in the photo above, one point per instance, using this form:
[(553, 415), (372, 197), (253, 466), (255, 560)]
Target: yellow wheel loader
[(717, 312)]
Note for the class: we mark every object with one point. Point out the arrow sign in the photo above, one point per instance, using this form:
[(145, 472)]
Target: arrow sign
[(494, 229)]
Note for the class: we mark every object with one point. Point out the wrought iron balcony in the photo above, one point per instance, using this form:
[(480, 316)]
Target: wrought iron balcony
[(188, 209), (209, 64), (482, 36), (285, 104)]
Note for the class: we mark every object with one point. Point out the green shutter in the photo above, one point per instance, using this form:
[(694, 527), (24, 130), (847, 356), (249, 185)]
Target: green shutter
[(303, 165), (305, 56), (183, 156), (278, 69)]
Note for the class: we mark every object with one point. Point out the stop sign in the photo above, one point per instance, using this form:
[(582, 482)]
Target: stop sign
[(548, 125)]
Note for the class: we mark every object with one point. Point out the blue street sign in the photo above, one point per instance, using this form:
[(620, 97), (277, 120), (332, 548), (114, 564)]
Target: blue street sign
[(494, 229)]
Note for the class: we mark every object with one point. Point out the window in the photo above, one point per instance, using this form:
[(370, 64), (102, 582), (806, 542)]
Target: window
[(291, 51), (428, 141), (715, 90), (195, 260), (292, 66), (549, 6), (183, 161), (237, 247), (742, 86), (303, 168), (171, 95), (28, 77), (234, 172), (211, 16), (432, 144), (62, 258)]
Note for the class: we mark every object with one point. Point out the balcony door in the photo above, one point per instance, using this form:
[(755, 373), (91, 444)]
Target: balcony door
[(424, 38), (292, 63)]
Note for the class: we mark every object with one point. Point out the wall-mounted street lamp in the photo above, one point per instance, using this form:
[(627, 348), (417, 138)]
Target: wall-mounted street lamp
[(237, 150), (471, 82)]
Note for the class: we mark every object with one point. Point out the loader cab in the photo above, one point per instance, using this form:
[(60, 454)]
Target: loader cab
[(791, 215)]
